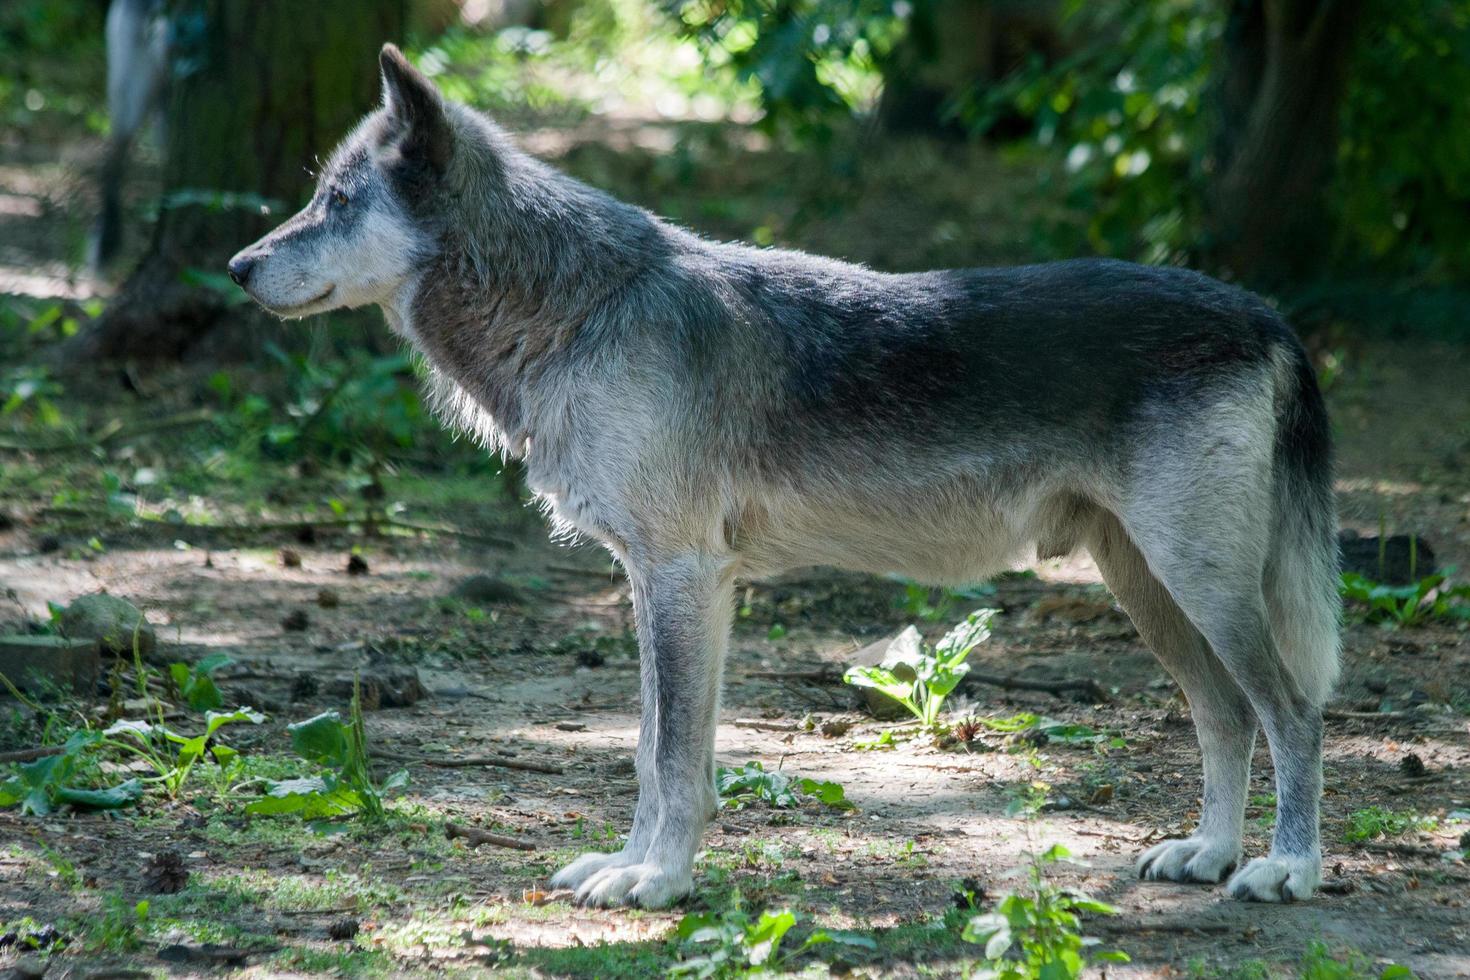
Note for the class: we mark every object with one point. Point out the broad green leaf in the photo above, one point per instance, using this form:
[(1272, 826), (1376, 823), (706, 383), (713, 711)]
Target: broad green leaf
[(123, 794), (214, 720), (322, 739)]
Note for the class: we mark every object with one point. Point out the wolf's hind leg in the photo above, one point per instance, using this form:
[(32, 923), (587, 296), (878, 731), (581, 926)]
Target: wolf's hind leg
[(1224, 722), (1213, 568), (683, 607)]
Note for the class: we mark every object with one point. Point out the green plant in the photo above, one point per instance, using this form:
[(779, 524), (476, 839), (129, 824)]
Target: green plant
[(1318, 963), (171, 754), (919, 676), (922, 602), (122, 924), (1065, 733), (41, 786), (729, 943), (349, 788), (1035, 934), (1375, 822), (1430, 598), (752, 783), (196, 684)]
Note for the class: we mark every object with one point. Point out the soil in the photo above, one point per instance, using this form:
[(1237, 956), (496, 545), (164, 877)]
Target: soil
[(544, 672)]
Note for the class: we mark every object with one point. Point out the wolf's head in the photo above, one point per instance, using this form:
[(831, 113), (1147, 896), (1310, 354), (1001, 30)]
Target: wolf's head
[(370, 225)]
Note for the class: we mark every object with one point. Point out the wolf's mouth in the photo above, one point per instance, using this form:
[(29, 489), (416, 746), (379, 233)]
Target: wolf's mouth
[(301, 307)]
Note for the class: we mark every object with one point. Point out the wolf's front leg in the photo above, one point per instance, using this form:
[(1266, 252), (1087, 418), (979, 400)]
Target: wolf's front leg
[(682, 606)]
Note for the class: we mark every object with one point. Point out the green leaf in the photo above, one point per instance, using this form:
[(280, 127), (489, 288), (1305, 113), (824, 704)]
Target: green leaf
[(311, 798), (123, 794), (881, 679), (323, 739), (215, 720)]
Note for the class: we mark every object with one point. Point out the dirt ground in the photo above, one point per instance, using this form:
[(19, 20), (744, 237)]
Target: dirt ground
[(547, 675)]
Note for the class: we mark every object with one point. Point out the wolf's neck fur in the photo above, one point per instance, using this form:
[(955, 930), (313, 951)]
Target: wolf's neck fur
[(528, 260)]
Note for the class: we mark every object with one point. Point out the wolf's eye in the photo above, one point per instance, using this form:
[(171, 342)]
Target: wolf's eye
[(339, 198)]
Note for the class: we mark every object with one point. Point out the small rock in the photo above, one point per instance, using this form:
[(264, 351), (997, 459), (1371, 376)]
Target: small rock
[(115, 624), (328, 599), (1412, 766), (357, 565), (290, 558), (836, 727), (296, 620), (343, 929), (486, 589), (570, 726), (1376, 685)]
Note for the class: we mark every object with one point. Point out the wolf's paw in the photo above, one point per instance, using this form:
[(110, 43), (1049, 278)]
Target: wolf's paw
[(646, 885), (1277, 878), (1205, 860), (579, 871)]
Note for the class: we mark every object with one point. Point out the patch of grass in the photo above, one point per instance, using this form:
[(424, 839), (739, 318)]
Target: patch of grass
[(1376, 821)]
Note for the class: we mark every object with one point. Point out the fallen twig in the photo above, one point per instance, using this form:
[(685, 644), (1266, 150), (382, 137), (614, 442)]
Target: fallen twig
[(826, 675), (1083, 685), (1402, 850), (469, 762), (1164, 925), (1333, 714), (31, 755), (765, 726), (477, 836)]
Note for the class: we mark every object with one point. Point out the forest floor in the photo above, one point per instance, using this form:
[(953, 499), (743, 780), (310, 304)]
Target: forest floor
[(206, 536)]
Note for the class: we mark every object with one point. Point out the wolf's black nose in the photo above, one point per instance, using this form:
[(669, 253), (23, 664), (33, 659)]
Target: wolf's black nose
[(240, 269)]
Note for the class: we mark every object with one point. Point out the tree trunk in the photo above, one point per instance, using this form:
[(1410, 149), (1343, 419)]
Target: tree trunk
[(952, 47), (1278, 96), (258, 92)]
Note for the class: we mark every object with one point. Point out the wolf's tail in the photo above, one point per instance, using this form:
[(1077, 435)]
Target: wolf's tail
[(1301, 579)]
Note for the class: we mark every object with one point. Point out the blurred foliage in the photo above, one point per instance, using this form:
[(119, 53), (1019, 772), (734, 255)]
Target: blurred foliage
[(606, 57), (52, 57), (1123, 116), (811, 59), (1403, 184)]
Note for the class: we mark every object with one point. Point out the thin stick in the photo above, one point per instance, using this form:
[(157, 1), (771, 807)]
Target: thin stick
[(765, 726), (476, 836), (31, 755), (1402, 850), (1086, 686), (1331, 714), (827, 675), (469, 762)]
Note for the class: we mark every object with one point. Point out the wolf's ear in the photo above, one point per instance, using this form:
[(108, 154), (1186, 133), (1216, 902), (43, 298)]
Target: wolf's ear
[(412, 99)]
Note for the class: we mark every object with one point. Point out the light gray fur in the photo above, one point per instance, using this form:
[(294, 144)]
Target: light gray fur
[(711, 412)]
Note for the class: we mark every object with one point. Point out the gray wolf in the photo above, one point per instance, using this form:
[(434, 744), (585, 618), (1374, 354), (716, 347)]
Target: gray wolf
[(137, 37), (712, 411)]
